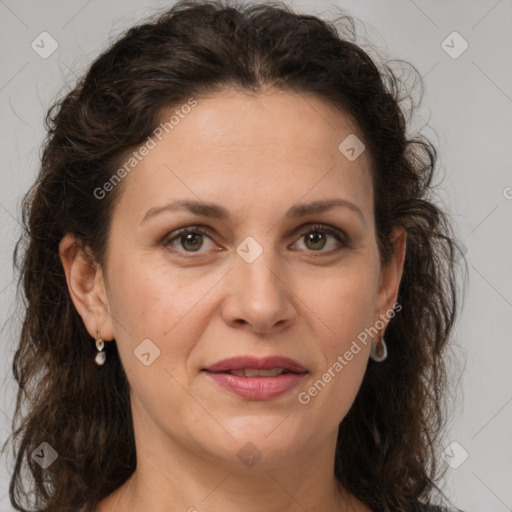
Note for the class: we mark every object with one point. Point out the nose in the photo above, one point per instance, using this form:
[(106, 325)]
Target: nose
[(258, 297)]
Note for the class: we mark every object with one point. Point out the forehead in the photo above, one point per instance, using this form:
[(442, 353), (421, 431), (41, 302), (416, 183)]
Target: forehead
[(251, 149), (276, 118)]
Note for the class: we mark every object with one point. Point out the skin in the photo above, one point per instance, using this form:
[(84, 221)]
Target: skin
[(257, 156)]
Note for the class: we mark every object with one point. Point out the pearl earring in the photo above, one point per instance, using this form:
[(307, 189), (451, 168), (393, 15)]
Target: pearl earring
[(100, 356)]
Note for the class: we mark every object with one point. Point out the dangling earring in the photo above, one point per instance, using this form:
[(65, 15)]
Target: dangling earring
[(100, 356), (373, 351)]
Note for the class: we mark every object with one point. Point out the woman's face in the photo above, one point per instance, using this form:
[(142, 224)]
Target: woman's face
[(271, 276)]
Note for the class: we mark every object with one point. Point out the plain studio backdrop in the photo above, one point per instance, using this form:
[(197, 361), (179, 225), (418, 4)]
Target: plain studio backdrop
[(460, 49)]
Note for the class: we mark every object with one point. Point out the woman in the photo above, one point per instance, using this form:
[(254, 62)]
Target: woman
[(290, 358)]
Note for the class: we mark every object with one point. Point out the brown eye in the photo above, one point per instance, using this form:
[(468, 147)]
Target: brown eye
[(187, 240), (316, 238), (192, 241)]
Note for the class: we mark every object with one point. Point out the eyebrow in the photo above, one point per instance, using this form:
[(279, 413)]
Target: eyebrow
[(216, 211)]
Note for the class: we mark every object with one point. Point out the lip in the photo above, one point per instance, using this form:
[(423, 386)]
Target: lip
[(265, 363), (256, 388)]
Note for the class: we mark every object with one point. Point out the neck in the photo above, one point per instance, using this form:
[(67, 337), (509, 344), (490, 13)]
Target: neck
[(174, 475)]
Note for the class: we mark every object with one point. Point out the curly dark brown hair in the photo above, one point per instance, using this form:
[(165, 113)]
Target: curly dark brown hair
[(387, 451)]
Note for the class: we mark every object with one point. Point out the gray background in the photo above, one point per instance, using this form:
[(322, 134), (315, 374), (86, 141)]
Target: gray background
[(466, 110)]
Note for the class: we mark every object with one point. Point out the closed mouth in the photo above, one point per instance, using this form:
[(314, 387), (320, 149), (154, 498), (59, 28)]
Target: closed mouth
[(253, 372)]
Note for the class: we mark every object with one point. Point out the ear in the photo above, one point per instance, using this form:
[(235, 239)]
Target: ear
[(86, 287), (391, 274)]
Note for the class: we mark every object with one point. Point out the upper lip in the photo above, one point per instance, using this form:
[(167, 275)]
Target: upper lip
[(266, 363)]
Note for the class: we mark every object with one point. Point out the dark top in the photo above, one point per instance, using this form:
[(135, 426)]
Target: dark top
[(437, 508)]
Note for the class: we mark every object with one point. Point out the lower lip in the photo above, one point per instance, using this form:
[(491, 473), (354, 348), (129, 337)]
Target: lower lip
[(257, 388)]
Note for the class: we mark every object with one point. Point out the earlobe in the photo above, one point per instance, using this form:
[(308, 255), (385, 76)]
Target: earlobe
[(86, 287)]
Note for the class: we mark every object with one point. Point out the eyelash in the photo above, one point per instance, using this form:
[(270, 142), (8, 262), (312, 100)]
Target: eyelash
[(311, 228)]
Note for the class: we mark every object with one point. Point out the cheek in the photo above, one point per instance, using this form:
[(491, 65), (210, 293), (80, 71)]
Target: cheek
[(150, 295), (152, 301), (343, 303), (344, 308)]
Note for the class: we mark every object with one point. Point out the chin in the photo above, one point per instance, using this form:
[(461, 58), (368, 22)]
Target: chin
[(257, 441)]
